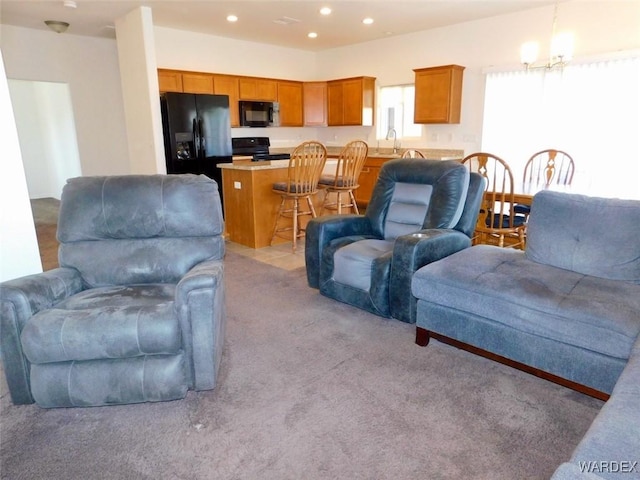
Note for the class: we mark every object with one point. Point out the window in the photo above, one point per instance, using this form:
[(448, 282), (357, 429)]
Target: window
[(590, 110), (395, 111)]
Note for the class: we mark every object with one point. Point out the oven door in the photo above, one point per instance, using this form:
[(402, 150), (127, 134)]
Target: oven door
[(256, 114)]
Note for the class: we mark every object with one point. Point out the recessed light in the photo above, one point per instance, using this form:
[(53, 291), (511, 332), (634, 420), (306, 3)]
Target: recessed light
[(325, 11), (367, 21), (312, 35), (232, 18)]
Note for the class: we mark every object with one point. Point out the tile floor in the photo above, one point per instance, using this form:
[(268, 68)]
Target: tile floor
[(280, 256)]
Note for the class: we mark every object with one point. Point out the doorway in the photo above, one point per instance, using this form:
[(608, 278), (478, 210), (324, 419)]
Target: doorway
[(47, 135)]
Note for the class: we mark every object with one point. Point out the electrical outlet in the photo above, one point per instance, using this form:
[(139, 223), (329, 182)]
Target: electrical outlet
[(434, 137), (237, 185)]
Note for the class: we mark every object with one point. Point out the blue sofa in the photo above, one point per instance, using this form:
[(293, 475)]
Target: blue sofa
[(566, 309)]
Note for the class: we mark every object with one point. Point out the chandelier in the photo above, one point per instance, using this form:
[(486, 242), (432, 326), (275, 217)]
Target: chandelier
[(560, 52)]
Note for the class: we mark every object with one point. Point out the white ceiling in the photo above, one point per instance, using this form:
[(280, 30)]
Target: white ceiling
[(257, 18)]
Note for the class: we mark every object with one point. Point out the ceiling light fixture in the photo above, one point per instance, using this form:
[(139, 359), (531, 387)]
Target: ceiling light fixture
[(560, 52), (70, 4), (312, 35), (325, 11), (232, 18), (367, 21), (57, 26)]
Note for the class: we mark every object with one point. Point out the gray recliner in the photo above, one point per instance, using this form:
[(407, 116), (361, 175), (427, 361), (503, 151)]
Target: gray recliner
[(420, 211), (136, 311)]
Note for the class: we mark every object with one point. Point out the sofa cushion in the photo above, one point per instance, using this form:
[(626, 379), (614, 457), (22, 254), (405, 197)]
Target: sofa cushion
[(588, 235), (139, 206), (112, 322), (407, 209), (352, 263), (503, 285)]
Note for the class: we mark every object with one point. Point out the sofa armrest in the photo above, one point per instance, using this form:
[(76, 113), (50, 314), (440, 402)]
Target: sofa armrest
[(20, 299), (200, 305), (411, 252), (321, 231)]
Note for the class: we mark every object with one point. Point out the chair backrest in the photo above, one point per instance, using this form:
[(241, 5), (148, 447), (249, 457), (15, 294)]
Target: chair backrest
[(414, 194), (497, 204), (549, 167), (350, 163), (411, 153), (305, 167), (121, 230)]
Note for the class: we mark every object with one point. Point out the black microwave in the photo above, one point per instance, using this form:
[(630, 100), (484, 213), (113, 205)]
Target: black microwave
[(259, 114)]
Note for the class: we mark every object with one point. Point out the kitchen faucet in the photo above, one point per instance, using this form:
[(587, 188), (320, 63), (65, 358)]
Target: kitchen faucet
[(396, 143)]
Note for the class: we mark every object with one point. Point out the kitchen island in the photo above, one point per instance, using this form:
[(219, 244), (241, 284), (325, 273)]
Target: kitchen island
[(250, 205)]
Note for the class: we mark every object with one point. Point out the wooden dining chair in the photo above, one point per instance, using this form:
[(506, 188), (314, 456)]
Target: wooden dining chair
[(497, 223), (546, 167), (345, 180), (412, 153), (305, 167)]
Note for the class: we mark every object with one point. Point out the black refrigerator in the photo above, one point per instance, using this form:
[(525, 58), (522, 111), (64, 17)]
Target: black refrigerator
[(197, 133)]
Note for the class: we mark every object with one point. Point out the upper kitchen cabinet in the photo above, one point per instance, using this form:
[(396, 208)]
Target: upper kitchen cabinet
[(169, 81), (438, 97), (315, 104), (228, 85), (197, 82), (290, 100), (351, 101), (252, 88)]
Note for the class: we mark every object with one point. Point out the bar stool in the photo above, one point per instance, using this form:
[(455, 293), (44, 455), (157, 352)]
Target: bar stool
[(305, 167), (345, 180)]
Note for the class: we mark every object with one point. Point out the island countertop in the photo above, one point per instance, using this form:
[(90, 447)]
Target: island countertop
[(245, 163)]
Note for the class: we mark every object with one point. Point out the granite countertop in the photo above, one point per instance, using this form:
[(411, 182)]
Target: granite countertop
[(245, 163), (431, 153)]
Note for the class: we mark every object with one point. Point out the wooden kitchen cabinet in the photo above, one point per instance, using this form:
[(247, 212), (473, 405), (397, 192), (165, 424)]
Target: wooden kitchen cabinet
[(197, 83), (290, 99), (438, 96), (351, 101), (228, 85), (252, 88), (169, 81), (368, 179), (315, 104)]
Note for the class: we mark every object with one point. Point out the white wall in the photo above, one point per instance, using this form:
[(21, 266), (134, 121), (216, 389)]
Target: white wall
[(18, 245), (90, 67), (47, 133)]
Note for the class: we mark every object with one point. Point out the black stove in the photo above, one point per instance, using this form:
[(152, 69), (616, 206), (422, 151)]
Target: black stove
[(257, 148)]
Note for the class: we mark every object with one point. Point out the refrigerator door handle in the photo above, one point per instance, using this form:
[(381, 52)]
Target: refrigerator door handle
[(196, 137), (203, 145)]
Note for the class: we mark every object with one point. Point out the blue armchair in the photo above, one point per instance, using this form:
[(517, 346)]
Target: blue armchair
[(136, 311), (420, 211)]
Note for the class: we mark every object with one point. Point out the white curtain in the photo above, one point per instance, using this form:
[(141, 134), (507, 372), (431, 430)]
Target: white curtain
[(590, 110)]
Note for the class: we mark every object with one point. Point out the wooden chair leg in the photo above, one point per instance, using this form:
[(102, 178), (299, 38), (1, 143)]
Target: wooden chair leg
[(296, 207), (353, 202), (275, 227), (325, 201)]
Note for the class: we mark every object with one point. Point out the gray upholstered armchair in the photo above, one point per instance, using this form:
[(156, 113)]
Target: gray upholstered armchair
[(135, 312), (420, 211)]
